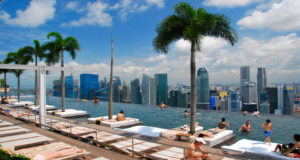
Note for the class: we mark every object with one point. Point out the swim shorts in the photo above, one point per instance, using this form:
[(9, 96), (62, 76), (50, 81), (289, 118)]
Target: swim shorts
[(267, 134), (296, 155)]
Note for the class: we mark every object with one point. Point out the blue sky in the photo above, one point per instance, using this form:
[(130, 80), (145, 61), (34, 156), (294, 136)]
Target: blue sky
[(268, 37)]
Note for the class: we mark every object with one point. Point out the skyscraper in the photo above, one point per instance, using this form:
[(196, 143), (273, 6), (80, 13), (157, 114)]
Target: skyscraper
[(116, 84), (244, 79), (89, 84), (202, 86), (125, 93), (145, 87), (57, 88), (234, 104), (162, 89), (69, 87), (135, 92), (153, 91), (273, 100), (288, 97), (261, 80), (280, 100)]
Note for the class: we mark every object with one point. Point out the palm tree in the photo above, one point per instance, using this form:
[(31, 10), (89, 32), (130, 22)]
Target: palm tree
[(22, 56), (192, 25), (56, 50)]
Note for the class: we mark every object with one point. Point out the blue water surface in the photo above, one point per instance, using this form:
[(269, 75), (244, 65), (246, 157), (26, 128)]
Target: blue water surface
[(284, 127)]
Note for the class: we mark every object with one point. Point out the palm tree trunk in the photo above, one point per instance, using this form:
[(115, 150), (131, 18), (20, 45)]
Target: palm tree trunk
[(19, 92), (193, 90), (62, 83), (36, 84), (110, 107), (5, 86)]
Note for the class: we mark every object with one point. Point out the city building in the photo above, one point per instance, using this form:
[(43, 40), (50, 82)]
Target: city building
[(162, 88), (69, 91), (264, 108), (116, 85), (234, 103), (244, 79), (273, 100), (280, 100), (288, 96), (174, 98), (104, 83), (203, 90), (261, 80), (57, 88), (125, 93), (89, 84), (153, 91), (76, 89), (135, 92), (145, 88)]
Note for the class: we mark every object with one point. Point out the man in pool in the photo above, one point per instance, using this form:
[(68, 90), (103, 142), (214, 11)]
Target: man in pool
[(291, 152), (246, 127), (190, 152), (223, 124), (186, 113), (267, 130)]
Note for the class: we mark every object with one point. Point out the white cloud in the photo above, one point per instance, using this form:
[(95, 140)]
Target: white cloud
[(156, 58), (36, 14), (280, 16), (96, 15), (72, 5), (158, 3), (229, 3)]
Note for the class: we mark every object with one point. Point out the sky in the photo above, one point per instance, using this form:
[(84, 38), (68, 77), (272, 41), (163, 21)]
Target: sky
[(268, 36)]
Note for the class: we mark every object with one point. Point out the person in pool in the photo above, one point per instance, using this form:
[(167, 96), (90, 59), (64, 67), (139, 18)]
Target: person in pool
[(255, 113), (244, 112), (267, 130), (186, 113), (223, 124), (246, 127), (294, 151)]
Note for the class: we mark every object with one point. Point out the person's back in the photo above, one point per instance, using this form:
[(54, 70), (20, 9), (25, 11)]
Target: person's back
[(267, 130), (223, 124)]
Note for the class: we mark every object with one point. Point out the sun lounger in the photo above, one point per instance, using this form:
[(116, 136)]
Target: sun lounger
[(219, 138), (186, 128), (26, 142), (257, 148), (18, 137), (22, 103), (122, 146), (5, 124), (48, 107), (113, 123), (12, 130), (102, 137), (144, 130), (78, 130), (69, 113), (172, 153), (100, 158)]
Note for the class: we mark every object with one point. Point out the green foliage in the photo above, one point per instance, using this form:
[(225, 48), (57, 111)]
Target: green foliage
[(2, 82), (6, 156)]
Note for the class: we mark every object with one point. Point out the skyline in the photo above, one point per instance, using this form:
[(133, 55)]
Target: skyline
[(266, 38)]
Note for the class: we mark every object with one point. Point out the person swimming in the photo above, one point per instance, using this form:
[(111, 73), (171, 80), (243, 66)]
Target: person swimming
[(186, 113), (267, 130), (256, 112), (244, 112), (246, 127), (223, 124)]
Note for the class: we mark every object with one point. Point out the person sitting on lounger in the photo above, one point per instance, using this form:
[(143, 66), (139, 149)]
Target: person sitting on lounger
[(295, 147), (57, 154), (190, 152), (246, 127), (223, 124), (120, 116), (267, 130), (284, 147)]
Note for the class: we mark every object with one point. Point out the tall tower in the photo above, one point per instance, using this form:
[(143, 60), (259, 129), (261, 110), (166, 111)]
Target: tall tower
[(145, 87), (261, 80), (162, 89), (244, 80), (202, 86)]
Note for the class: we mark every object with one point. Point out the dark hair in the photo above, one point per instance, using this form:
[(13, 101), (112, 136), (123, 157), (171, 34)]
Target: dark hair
[(297, 137), (291, 145), (268, 121), (185, 111), (121, 111), (247, 121), (255, 110), (223, 119), (201, 135)]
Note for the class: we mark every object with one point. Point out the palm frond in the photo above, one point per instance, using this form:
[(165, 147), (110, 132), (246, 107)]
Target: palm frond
[(72, 45)]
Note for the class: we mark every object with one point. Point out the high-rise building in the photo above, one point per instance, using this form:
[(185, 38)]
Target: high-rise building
[(261, 80), (162, 88), (116, 84), (264, 108), (182, 98), (244, 79), (135, 92), (273, 100), (288, 101), (125, 93), (145, 87), (104, 83), (174, 98), (57, 88), (234, 103), (202, 86), (76, 89), (69, 91), (153, 91), (89, 84), (280, 100)]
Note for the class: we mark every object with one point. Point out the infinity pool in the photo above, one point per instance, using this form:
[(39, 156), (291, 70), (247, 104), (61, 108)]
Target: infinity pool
[(284, 127)]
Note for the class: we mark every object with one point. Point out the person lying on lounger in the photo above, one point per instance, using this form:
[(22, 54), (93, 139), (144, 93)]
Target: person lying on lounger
[(24, 114), (223, 124), (57, 154), (284, 147), (190, 152), (291, 152), (6, 110), (120, 116), (246, 127)]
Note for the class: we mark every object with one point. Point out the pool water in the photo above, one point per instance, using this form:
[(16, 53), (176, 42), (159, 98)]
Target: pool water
[(284, 127)]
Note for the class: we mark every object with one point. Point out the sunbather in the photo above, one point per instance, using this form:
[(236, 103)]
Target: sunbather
[(190, 152), (290, 151), (120, 116), (57, 154), (223, 124), (284, 147), (267, 130), (24, 114), (246, 127)]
